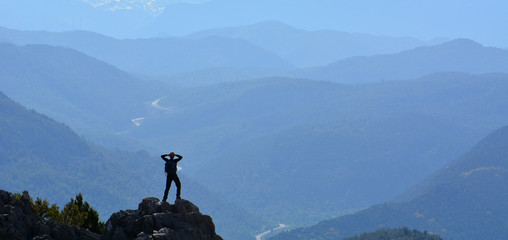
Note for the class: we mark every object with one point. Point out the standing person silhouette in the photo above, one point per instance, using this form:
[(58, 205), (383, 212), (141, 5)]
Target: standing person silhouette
[(170, 169)]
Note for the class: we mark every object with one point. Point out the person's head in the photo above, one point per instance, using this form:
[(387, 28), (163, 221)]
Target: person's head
[(171, 155)]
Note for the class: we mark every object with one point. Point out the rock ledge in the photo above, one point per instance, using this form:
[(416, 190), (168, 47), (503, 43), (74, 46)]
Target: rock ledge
[(159, 221), (153, 220)]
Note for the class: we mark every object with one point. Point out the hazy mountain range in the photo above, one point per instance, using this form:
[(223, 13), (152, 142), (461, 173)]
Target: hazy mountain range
[(48, 159), (459, 55), (464, 200), (156, 18), (249, 52), (256, 138), (248, 47), (91, 96), (294, 146), (380, 138), (313, 48), (156, 56)]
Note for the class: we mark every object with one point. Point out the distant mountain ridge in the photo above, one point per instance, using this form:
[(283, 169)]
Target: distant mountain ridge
[(155, 56), (435, 118), (459, 55), (303, 127), (51, 161), (47, 158), (464, 200), (313, 48), (73, 88)]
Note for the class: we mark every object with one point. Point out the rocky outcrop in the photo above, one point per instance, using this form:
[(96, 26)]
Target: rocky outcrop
[(17, 222), (159, 221), (153, 220)]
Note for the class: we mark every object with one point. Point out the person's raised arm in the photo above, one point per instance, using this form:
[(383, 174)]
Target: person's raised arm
[(165, 157), (178, 157)]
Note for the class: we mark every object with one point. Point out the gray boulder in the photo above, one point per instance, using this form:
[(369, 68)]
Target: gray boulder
[(156, 220)]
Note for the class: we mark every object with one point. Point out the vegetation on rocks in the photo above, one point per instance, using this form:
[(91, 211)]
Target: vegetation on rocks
[(75, 213)]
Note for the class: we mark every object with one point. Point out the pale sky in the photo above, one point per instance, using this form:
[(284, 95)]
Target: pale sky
[(485, 21)]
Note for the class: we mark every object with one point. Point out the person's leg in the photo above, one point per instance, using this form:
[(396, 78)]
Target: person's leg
[(178, 186), (168, 185)]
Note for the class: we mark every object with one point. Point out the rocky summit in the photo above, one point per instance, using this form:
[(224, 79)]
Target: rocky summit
[(152, 220), (160, 221)]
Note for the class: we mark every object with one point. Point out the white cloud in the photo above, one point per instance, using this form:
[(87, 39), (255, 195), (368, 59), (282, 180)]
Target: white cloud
[(155, 7), (188, 1)]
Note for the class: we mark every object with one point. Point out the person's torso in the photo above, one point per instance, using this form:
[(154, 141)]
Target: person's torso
[(170, 166)]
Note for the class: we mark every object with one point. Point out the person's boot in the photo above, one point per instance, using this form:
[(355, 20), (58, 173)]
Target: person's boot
[(178, 197)]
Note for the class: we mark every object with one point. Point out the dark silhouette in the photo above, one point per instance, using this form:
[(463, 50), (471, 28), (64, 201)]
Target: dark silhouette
[(170, 169)]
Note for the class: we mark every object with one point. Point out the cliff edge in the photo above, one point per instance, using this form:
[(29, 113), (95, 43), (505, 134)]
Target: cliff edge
[(153, 220), (160, 221)]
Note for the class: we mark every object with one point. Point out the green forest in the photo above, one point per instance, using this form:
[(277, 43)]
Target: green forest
[(402, 233)]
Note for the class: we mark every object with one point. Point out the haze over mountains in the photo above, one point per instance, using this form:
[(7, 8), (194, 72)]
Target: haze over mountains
[(379, 137), (156, 56), (313, 48), (222, 48), (51, 161), (44, 156), (277, 125), (431, 119), (221, 54), (136, 18), (464, 200), (459, 55), (91, 96)]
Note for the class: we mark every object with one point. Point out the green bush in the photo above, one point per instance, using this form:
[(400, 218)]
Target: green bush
[(75, 213)]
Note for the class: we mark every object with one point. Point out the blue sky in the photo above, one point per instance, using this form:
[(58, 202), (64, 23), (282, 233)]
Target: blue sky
[(485, 21)]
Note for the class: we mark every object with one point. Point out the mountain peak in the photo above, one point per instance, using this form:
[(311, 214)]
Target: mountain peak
[(462, 43), (160, 220)]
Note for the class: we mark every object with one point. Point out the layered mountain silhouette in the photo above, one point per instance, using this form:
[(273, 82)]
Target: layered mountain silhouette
[(155, 56), (48, 159), (255, 138), (464, 200), (75, 89), (232, 121), (152, 220), (51, 161), (313, 48), (381, 138), (459, 55)]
